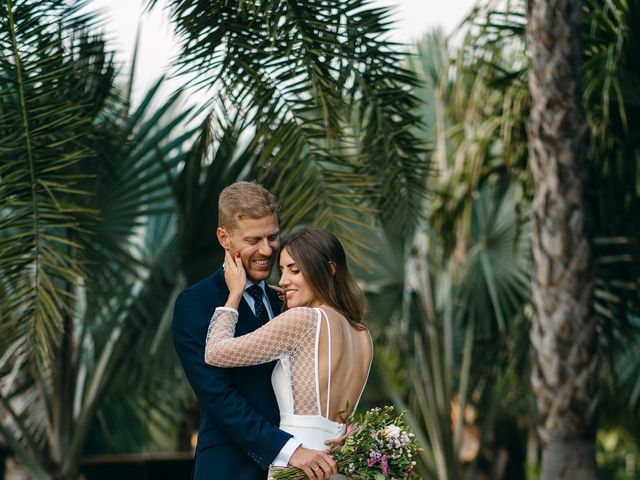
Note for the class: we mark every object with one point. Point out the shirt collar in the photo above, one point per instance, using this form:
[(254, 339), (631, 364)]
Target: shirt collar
[(250, 284)]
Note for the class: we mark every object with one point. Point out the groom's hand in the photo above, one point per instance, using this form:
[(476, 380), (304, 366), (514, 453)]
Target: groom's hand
[(316, 464)]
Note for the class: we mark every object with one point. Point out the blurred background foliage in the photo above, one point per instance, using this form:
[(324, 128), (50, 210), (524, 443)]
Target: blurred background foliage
[(418, 163)]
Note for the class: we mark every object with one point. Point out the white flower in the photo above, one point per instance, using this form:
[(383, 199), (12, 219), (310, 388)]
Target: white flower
[(391, 431)]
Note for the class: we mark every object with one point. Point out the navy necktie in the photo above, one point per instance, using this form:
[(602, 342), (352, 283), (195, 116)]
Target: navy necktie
[(256, 293)]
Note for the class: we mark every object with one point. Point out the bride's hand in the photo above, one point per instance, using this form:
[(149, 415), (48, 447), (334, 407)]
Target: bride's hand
[(339, 441), (235, 277)]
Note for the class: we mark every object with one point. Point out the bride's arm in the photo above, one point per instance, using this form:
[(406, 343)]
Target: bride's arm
[(280, 335)]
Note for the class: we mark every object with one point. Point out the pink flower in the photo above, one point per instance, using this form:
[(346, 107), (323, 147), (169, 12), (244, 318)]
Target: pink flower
[(374, 457), (385, 465)]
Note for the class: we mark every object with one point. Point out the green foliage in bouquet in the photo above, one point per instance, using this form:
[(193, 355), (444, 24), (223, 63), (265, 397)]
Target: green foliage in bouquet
[(379, 447)]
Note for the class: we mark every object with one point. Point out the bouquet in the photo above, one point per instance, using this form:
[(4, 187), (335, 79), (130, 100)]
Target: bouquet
[(379, 447)]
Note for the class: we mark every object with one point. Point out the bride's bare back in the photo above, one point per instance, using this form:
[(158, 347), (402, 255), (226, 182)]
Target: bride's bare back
[(351, 356)]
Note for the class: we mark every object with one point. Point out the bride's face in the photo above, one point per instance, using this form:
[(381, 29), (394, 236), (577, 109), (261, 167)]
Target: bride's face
[(296, 288)]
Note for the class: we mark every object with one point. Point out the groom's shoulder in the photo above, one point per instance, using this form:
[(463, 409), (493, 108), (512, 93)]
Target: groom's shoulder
[(194, 306), (208, 289)]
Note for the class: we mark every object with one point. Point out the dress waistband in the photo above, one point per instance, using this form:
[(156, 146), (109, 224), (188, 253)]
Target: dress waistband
[(312, 421)]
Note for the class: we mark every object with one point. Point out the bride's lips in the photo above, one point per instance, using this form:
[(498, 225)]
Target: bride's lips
[(290, 292)]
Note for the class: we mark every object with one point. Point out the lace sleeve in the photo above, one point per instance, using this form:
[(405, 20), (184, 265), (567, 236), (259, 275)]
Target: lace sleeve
[(282, 334)]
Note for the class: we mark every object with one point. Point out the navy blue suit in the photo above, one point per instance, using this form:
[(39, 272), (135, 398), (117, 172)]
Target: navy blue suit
[(239, 435)]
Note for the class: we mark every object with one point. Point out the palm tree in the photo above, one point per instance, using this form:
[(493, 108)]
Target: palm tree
[(84, 270), (563, 334), (460, 280), (447, 299), (446, 324), (39, 153), (487, 104), (480, 113)]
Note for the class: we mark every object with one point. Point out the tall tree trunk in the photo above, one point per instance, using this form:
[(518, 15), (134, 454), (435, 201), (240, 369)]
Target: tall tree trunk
[(563, 335)]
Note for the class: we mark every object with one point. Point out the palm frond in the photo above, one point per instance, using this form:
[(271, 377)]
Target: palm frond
[(612, 105), (301, 69), (131, 180), (496, 266), (44, 123), (142, 342)]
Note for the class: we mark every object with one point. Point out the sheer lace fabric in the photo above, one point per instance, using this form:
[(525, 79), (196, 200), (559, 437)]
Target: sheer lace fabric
[(292, 337)]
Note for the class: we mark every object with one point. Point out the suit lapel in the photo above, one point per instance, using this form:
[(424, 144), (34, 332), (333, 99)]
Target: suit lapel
[(247, 321)]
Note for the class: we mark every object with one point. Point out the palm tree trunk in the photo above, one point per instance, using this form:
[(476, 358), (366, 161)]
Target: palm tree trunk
[(563, 334)]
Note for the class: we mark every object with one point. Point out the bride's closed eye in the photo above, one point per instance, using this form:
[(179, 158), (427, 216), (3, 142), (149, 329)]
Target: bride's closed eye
[(291, 270)]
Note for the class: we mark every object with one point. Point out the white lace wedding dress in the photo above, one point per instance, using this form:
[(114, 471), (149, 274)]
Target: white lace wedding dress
[(293, 338)]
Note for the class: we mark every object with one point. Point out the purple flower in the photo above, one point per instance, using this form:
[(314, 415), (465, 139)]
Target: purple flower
[(385, 465), (374, 457)]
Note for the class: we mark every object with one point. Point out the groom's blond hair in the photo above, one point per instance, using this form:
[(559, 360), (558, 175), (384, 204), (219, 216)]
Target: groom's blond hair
[(244, 200)]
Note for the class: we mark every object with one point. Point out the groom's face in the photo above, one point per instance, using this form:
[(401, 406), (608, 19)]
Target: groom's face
[(257, 240)]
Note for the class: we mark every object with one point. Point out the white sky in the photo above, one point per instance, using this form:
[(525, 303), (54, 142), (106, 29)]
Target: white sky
[(413, 19)]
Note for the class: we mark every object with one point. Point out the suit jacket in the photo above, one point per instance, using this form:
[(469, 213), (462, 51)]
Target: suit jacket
[(239, 435)]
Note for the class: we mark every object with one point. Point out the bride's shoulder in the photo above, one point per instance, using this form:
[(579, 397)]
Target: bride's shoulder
[(333, 313), (305, 313), (302, 309), (298, 319)]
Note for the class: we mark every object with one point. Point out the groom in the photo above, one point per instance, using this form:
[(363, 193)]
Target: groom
[(238, 436)]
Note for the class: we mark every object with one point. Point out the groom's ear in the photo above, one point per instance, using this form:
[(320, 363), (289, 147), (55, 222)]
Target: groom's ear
[(223, 237)]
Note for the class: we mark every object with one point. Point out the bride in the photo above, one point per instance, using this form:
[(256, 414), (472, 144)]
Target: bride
[(324, 351)]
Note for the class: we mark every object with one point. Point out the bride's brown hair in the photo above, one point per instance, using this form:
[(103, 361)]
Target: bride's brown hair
[(323, 262)]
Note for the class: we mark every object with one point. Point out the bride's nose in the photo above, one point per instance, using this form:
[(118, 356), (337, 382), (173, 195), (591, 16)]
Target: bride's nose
[(284, 279)]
